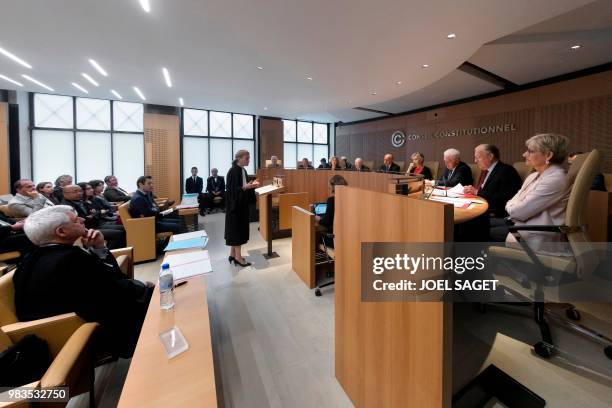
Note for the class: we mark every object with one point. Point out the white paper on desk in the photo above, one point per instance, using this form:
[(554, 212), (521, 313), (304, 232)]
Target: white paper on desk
[(457, 202), (189, 235), (265, 189), (183, 206), (166, 212), (190, 264), (454, 192)]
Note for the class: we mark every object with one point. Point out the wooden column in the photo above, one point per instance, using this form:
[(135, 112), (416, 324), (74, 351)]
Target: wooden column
[(162, 154)]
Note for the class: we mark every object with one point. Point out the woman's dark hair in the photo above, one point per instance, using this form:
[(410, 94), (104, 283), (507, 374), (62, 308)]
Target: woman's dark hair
[(96, 183), (83, 186), (337, 180), (42, 185)]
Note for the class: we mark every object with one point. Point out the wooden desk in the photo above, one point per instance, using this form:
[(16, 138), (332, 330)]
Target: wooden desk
[(462, 215), (188, 379)]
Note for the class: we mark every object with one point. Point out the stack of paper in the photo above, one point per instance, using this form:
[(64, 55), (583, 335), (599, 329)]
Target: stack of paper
[(189, 235), (457, 202), (185, 266), (198, 242)]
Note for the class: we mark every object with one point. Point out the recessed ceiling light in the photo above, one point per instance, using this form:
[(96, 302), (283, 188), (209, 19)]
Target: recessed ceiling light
[(167, 77), (399, 82), (116, 94), (425, 66), (265, 108), (98, 67), (139, 93), (145, 5), (260, 68), (29, 78), (14, 58), (79, 87), (373, 93), (451, 36), (10, 80), (181, 101), (90, 79), (575, 47), (309, 78)]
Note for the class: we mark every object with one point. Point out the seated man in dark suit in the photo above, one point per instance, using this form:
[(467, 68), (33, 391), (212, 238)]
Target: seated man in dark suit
[(305, 164), (195, 185), (114, 233), (59, 277), (323, 165), (599, 182), (327, 220), (359, 166), (142, 204), (388, 165), (498, 183), (456, 172), (12, 237), (113, 192), (215, 187)]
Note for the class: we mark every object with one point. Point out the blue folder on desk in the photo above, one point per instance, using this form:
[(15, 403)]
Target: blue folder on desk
[(199, 243)]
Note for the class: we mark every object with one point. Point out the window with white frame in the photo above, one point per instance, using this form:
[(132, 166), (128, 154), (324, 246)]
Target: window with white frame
[(304, 140), (87, 138), (211, 139)]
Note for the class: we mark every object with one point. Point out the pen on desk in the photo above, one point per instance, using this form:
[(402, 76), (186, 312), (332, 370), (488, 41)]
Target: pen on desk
[(180, 284)]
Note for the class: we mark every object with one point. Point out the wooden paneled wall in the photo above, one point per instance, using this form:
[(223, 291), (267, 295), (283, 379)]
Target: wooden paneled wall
[(162, 154), (4, 150), (579, 108), (270, 140)]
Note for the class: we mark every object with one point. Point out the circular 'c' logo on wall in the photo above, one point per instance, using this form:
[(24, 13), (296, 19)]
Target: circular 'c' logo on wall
[(398, 138)]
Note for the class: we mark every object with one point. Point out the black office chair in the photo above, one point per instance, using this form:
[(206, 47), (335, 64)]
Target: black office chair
[(324, 255)]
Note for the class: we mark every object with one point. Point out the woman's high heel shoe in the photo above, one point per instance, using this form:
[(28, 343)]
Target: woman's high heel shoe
[(241, 264), (231, 259)]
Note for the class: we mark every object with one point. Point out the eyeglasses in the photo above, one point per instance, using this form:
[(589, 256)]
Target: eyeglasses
[(529, 151)]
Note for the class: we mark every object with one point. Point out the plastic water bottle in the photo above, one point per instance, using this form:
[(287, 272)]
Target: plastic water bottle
[(166, 287)]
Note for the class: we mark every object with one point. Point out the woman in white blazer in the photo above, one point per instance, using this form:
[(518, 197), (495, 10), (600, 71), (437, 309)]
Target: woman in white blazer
[(542, 199)]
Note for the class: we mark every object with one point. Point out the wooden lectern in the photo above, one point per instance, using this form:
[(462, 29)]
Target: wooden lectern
[(265, 213)]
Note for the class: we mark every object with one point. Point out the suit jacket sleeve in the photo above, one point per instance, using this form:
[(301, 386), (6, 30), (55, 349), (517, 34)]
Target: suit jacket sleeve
[(221, 183), (500, 188), (114, 195), (139, 207), (209, 187), (22, 210)]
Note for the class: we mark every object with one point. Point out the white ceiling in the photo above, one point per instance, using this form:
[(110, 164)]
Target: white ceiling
[(212, 48)]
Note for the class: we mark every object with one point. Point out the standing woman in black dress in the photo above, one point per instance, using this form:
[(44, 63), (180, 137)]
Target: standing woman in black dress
[(239, 194)]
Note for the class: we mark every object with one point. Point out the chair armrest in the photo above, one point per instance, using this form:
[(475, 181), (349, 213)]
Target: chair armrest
[(563, 229), (129, 253), (68, 366), (54, 330)]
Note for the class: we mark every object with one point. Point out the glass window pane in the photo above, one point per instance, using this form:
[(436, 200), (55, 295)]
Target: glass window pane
[(320, 133), (250, 146), (221, 155), (243, 126), (53, 111), (289, 155), (93, 155), (220, 125), (128, 159), (195, 153), (304, 132), (289, 130), (93, 114), (320, 152), (304, 150), (52, 154), (195, 122), (128, 116)]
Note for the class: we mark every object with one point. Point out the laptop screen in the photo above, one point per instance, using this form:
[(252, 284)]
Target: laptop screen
[(320, 208)]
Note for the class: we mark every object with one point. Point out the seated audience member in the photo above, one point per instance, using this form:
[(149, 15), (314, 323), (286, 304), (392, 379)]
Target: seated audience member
[(113, 193), (456, 172), (215, 187), (334, 163), (599, 182), (99, 202), (327, 220), (12, 237), (359, 166), (274, 163), (344, 163), (46, 189), (498, 183), (305, 164), (323, 164), (417, 166), (27, 200), (114, 233), (542, 200), (142, 204), (195, 185), (388, 166), (59, 277), (61, 182), (94, 205)]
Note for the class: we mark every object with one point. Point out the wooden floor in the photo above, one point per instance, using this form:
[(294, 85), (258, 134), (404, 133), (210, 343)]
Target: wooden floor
[(274, 340)]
